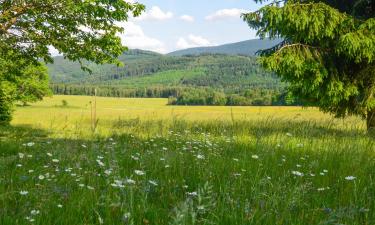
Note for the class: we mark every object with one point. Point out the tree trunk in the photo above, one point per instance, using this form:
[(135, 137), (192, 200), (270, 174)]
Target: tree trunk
[(371, 121)]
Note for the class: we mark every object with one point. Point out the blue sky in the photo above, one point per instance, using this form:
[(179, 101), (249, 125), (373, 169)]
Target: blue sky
[(169, 25)]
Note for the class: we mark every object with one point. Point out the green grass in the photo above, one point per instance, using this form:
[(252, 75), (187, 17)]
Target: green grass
[(202, 165), (166, 78)]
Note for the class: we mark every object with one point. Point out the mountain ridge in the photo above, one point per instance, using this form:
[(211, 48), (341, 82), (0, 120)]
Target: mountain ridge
[(247, 47)]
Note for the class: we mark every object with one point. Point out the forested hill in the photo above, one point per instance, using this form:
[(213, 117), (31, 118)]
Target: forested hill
[(146, 69), (192, 78), (249, 48)]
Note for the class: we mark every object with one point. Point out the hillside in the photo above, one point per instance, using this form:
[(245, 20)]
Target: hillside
[(145, 69), (192, 79), (249, 48)]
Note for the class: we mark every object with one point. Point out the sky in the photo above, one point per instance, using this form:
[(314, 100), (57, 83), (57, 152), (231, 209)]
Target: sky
[(169, 25)]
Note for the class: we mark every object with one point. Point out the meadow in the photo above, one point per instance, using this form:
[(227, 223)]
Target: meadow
[(149, 163)]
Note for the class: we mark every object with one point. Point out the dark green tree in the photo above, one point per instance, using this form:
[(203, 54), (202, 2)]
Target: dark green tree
[(80, 30), (328, 52)]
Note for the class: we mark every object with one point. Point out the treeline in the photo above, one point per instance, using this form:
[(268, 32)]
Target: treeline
[(186, 95), (253, 97)]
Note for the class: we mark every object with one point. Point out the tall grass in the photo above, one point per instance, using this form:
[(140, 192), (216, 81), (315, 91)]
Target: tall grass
[(262, 170)]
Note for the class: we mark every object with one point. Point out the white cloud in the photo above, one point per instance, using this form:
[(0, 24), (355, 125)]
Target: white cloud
[(226, 14), (187, 18), (134, 37), (156, 14), (192, 41)]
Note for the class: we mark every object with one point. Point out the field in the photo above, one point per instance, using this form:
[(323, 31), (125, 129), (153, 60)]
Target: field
[(149, 163)]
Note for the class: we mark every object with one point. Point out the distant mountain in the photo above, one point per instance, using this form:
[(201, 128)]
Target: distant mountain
[(249, 48)]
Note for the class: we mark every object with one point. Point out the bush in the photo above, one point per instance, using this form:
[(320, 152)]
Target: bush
[(64, 103)]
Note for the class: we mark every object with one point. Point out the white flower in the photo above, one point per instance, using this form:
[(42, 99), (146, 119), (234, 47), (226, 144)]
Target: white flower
[(350, 178), (41, 177), (59, 206), (31, 171), (192, 194), (49, 154), (289, 134), (297, 173), (89, 187), (24, 192), (55, 160), (139, 172), (21, 155), (298, 165), (30, 144), (153, 182), (34, 212), (325, 171), (19, 165), (200, 156), (255, 157), (100, 163), (135, 158), (84, 146), (108, 172), (129, 181), (234, 159)]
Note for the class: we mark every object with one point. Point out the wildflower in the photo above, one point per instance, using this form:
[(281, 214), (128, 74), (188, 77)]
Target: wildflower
[(49, 154), (350, 178), (153, 182), (234, 159), (59, 206), (135, 158), (289, 134), (139, 172), (81, 185), (298, 165), (192, 194), (41, 177), (200, 156), (108, 172), (325, 171), (21, 155), (297, 173), (167, 166), (30, 144), (34, 212), (19, 165), (89, 187), (84, 146), (55, 160), (100, 163), (255, 157), (31, 171), (24, 192), (130, 181)]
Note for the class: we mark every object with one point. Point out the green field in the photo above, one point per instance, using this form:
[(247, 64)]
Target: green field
[(149, 163)]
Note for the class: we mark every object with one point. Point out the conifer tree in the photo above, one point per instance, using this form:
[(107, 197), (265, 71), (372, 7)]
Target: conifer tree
[(328, 52)]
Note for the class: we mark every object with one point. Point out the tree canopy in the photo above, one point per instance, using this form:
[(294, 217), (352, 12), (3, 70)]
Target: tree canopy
[(87, 29), (328, 52)]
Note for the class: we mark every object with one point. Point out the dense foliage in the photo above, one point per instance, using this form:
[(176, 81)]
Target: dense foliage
[(77, 29), (328, 55), (190, 80)]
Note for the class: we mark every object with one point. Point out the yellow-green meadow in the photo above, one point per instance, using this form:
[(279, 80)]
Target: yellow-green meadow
[(150, 163)]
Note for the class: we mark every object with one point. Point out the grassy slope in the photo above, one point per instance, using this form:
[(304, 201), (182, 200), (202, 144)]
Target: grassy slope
[(219, 164), (216, 71), (166, 78)]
